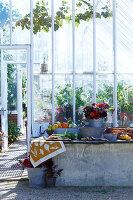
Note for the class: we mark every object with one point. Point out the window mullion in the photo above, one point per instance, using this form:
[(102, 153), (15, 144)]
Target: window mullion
[(53, 51), (10, 22), (73, 49), (115, 64), (31, 66), (94, 51)]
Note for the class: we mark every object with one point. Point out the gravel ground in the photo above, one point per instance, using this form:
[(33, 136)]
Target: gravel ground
[(20, 190)]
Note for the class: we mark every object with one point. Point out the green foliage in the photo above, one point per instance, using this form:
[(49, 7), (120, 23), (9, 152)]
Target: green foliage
[(12, 87), (124, 96), (64, 100), (105, 93), (13, 132), (42, 18), (72, 136), (24, 87)]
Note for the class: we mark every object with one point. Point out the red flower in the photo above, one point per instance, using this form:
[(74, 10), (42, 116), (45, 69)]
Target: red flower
[(91, 114), (96, 110), (96, 116), (98, 104)]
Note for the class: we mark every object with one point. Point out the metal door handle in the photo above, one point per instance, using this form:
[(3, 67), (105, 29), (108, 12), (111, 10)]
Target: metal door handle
[(2, 111)]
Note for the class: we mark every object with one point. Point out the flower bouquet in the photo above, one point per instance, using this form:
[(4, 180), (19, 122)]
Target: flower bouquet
[(96, 111), (26, 163)]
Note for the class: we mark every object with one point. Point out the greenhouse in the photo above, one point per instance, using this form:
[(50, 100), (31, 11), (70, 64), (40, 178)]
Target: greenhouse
[(66, 68)]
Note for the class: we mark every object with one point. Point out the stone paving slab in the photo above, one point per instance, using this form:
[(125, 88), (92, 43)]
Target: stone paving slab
[(8, 168), (20, 190)]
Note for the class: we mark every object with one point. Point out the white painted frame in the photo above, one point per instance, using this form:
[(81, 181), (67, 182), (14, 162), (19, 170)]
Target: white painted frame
[(74, 65), (4, 111), (94, 73), (94, 51), (19, 99), (53, 54), (29, 92), (115, 64)]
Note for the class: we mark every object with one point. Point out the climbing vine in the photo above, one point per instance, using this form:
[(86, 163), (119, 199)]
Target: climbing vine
[(42, 18)]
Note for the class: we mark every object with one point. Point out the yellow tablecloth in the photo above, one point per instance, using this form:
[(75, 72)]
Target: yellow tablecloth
[(42, 150)]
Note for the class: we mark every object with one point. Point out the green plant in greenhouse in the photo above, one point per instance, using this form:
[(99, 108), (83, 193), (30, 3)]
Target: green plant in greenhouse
[(13, 132), (83, 96), (42, 18), (64, 101), (12, 87), (105, 94), (124, 96)]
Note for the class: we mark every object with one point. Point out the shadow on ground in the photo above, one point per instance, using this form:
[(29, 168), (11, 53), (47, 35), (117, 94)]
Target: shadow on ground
[(20, 190)]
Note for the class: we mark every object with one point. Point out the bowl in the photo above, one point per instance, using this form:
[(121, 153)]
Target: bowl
[(110, 136), (91, 131)]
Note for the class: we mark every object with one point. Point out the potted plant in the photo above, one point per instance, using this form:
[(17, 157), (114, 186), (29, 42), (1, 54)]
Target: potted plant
[(51, 173), (95, 113), (35, 175)]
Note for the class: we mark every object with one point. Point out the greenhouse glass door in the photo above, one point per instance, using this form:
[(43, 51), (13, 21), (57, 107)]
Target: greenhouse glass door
[(14, 61), (4, 120)]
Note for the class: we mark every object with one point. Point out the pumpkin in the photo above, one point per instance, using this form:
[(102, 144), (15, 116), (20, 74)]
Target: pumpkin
[(65, 125)]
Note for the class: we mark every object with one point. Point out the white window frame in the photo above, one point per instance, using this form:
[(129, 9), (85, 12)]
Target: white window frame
[(30, 61)]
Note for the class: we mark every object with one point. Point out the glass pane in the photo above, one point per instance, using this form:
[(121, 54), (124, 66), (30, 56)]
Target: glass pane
[(12, 87), (63, 97), (42, 98), (105, 94), (125, 100), (124, 36), (4, 22), (104, 36), (42, 61), (15, 56), (63, 36), (83, 95), (84, 37), (11, 58), (21, 21)]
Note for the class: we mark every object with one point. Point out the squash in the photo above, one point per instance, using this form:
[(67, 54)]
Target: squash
[(125, 137)]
